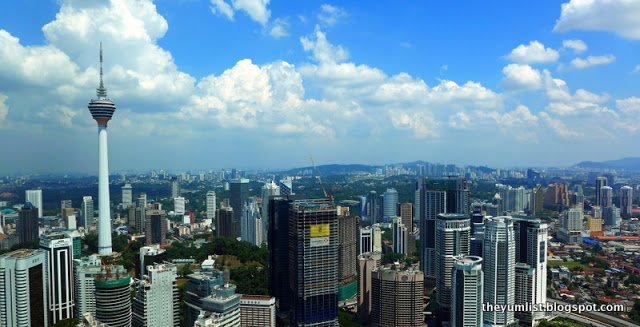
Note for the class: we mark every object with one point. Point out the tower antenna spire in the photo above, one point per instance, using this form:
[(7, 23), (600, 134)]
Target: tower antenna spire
[(102, 91)]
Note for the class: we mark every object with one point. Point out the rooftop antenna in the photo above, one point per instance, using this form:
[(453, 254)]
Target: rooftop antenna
[(102, 91)]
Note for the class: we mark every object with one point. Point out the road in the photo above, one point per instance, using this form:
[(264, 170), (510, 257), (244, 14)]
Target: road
[(594, 317)]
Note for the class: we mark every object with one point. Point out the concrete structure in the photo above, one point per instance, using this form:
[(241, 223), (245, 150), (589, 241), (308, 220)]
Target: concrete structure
[(35, 197), (390, 205), (225, 226), (571, 227), (87, 212), (85, 271), (200, 285), (453, 235), (499, 256), (397, 297), (268, 190), (102, 109), (406, 214), (626, 201), (179, 205), (372, 208), (467, 292), (606, 196), (594, 225), (61, 296), (211, 205), (113, 296), (257, 311), (428, 205), (367, 263), (531, 253), (611, 216), (156, 227), (127, 195), (156, 300), (222, 308), (600, 182), (24, 288), (370, 239), (347, 256), (252, 227), (400, 236), (27, 223), (148, 256), (175, 188), (313, 262), (239, 191)]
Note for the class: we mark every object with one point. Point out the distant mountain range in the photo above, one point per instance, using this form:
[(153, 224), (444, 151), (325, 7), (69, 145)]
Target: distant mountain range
[(630, 163)]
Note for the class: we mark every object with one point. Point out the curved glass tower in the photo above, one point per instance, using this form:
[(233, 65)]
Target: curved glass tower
[(102, 109)]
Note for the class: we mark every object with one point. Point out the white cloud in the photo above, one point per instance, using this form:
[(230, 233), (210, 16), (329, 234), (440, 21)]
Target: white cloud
[(618, 16), (279, 28), (422, 125), (558, 126), (459, 120), (562, 102), (329, 15), (576, 45), (4, 109), (535, 52), (256, 9), (521, 76), (629, 105), (322, 50), (590, 61)]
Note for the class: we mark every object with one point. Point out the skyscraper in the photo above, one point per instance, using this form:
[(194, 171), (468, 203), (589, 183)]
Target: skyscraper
[(175, 188), (606, 196), (430, 204), (252, 228), (370, 239), (211, 206), (467, 291), (397, 297), (626, 200), (222, 308), (156, 300), (239, 191), (35, 197), (85, 270), (268, 190), (150, 255), (102, 110), (127, 195), (499, 255), (611, 216), (537, 200), (200, 285), (406, 213), (531, 251), (453, 235), (27, 224), (390, 205), (367, 263), (224, 223), (156, 229), (113, 298), (400, 236), (24, 288), (59, 250), (373, 208), (87, 212), (179, 205), (313, 258), (600, 182), (278, 242), (347, 255), (571, 227)]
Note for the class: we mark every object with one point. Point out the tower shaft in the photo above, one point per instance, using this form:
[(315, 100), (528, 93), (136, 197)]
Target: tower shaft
[(104, 211)]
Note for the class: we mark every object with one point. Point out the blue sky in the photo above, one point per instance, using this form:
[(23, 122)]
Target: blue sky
[(264, 84)]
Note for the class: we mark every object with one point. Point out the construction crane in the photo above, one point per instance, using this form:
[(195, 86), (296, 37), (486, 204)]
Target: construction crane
[(319, 178)]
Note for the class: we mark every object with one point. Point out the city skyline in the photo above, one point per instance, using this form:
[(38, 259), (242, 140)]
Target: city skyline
[(217, 83)]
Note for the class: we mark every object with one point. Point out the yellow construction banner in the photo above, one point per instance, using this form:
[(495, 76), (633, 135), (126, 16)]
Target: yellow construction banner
[(320, 230)]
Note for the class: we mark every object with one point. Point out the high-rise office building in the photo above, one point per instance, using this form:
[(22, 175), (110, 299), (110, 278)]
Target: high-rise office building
[(211, 205), (24, 288), (252, 227), (606, 196), (27, 224), (239, 191), (370, 239), (406, 213), (453, 235), (600, 182), (113, 296), (87, 212), (430, 204), (611, 217), (347, 255), (268, 190), (65, 204), (571, 227), (199, 285), (156, 229), (127, 195), (131, 216), (467, 291), (85, 270), (224, 223), (626, 201), (59, 249), (102, 109), (148, 256), (222, 308), (257, 311), (35, 197), (400, 236), (499, 255), (367, 263), (397, 297), (156, 301), (390, 205), (373, 208), (531, 251), (278, 242), (313, 258), (286, 186), (175, 188), (179, 205), (537, 200)]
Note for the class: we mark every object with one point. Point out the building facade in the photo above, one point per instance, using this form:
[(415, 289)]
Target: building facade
[(156, 302), (257, 311), (467, 292), (499, 257), (113, 296), (59, 249), (453, 236), (397, 297)]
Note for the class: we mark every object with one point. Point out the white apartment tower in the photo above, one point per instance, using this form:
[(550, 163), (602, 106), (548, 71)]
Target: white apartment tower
[(499, 254), (156, 300), (211, 206), (467, 291), (35, 197)]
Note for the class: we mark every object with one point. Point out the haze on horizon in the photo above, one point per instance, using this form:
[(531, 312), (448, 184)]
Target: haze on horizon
[(265, 84)]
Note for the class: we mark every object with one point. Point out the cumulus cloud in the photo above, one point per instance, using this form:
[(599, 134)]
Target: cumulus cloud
[(256, 9), (617, 16), (279, 28), (321, 49), (629, 105), (521, 76), (576, 45), (330, 15), (562, 102), (534, 52), (420, 124), (590, 61), (558, 126)]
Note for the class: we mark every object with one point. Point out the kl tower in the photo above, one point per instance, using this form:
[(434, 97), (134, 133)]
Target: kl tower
[(102, 109)]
